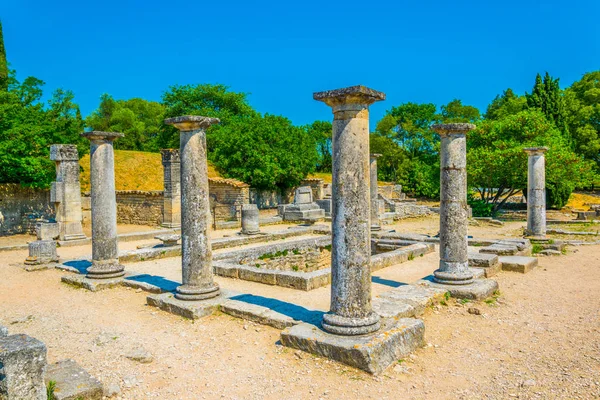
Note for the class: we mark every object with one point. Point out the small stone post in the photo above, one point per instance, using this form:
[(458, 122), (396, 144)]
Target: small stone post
[(250, 219), (375, 223), (198, 280), (172, 194), (454, 263), (536, 192), (66, 191), (351, 311), (105, 249)]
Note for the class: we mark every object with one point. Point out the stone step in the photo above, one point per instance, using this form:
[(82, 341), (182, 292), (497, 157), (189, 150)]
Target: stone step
[(518, 263), (486, 261)]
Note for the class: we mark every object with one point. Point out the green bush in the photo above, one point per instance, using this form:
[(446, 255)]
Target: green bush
[(481, 208)]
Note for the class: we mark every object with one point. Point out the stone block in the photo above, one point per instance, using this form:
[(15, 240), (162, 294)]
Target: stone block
[(257, 313), (22, 367), (47, 230), (392, 308), (488, 262), (254, 274), (418, 297), (93, 285), (372, 353), (518, 263), (480, 289), (41, 252), (73, 382), (168, 240), (189, 309), (227, 270), (304, 280), (500, 249)]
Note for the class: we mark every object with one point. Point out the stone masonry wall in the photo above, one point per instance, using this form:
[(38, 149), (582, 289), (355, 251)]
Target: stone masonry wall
[(21, 206)]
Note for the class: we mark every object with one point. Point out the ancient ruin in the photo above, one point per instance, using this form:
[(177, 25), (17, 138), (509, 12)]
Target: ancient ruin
[(536, 192), (250, 219), (304, 209), (172, 188), (375, 223)]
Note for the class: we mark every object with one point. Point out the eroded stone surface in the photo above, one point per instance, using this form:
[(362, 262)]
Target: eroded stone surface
[(536, 191), (73, 382), (518, 263), (22, 367), (479, 289), (189, 309)]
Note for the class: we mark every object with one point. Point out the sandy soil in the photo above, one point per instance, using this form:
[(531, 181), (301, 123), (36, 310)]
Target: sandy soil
[(541, 339)]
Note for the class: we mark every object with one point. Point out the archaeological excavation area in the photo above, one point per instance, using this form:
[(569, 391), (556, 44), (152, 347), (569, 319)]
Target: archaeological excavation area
[(350, 289)]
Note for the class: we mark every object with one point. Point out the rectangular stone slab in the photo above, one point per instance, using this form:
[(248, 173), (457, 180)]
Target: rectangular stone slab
[(73, 382), (22, 367), (518, 263), (480, 289), (189, 309), (372, 353)]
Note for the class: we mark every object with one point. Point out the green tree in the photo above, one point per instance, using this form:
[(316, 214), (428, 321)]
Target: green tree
[(140, 120), (455, 111), (497, 164), (506, 104), (265, 152), (583, 115), (321, 131), (3, 63), (393, 165), (547, 97)]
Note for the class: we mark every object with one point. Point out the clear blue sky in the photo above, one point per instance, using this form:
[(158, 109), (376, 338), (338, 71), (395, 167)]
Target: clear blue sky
[(280, 52)]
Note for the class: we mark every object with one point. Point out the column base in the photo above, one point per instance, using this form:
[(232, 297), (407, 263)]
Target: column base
[(194, 293), (170, 225), (250, 233), (339, 325), (453, 273), (105, 269)]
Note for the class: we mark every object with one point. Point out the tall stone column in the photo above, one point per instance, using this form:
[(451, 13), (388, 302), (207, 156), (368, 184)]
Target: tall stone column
[(536, 192), (351, 311), (66, 191), (105, 248), (198, 280), (454, 263), (172, 193), (375, 223)]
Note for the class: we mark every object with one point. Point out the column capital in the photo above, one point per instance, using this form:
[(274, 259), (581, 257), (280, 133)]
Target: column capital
[(453, 128), (99, 135), (534, 151), (170, 156), (64, 152), (361, 95), (188, 123)]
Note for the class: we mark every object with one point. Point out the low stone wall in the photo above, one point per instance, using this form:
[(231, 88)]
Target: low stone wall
[(139, 207), (21, 206)]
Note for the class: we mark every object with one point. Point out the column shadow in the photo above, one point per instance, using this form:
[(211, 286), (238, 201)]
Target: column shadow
[(155, 280), (291, 310), (387, 282), (80, 265)]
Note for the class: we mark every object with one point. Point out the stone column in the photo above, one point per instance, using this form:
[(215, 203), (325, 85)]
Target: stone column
[(536, 192), (454, 263), (375, 224), (172, 194), (105, 249), (250, 219), (351, 311), (198, 281), (66, 191)]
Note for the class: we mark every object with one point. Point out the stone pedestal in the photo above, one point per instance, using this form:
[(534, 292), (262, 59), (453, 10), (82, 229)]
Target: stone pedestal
[(351, 312), (172, 188), (536, 192), (250, 219), (22, 368), (41, 252), (454, 262), (198, 280), (105, 249), (303, 209), (375, 223), (65, 192)]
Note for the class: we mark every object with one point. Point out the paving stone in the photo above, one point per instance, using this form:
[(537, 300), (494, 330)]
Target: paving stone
[(391, 308), (304, 280), (480, 289), (189, 309), (254, 274), (73, 382), (500, 250), (550, 252), (140, 355), (372, 353), (92, 285), (518, 263), (22, 367), (419, 297), (257, 313), (488, 262)]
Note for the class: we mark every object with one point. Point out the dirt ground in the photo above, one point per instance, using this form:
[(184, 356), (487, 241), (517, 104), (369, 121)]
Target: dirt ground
[(540, 339)]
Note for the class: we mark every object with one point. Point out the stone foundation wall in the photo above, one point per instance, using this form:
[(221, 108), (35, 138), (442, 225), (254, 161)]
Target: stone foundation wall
[(21, 206), (139, 207)]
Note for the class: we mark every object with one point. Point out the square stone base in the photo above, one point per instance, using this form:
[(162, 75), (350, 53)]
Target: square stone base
[(518, 263), (93, 285), (72, 381), (192, 309), (480, 289), (372, 353)]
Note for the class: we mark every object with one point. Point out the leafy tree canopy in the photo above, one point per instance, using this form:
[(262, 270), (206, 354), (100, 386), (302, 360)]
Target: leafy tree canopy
[(455, 111), (321, 131)]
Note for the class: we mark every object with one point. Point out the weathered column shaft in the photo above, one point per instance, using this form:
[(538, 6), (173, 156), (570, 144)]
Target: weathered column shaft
[(375, 223), (536, 191), (172, 188), (66, 191), (250, 219), (454, 263), (197, 274), (105, 249), (351, 311)]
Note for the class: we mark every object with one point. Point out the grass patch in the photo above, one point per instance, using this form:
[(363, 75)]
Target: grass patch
[(537, 248), (411, 257), (295, 268), (50, 388)]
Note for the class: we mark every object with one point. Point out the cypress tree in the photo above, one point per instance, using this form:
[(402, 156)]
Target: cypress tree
[(3, 63)]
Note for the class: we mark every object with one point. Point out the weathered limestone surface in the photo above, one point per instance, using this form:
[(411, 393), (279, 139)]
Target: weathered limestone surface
[(73, 382), (22, 367), (478, 289), (250, 219), (372, 353), (518, 263), (47, 230), (105, 248), (351, 310), (454, 264), (42, 252), (536, 192), (168, 240), (375, 223), (66, 191), (303, 209), (198, 281), (488, 262), (189, 309), (172, 188)]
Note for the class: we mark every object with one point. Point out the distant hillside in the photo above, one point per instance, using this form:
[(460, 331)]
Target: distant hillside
[(134, 170)]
